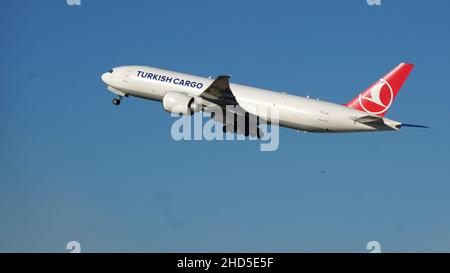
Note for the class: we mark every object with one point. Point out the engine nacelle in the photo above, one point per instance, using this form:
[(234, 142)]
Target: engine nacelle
[(179, 103)]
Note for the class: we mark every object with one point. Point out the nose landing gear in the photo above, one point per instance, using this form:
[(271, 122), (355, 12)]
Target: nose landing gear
[(117, 101)]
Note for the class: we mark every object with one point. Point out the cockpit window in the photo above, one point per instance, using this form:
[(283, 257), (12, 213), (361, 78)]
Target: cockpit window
[(111, 71)]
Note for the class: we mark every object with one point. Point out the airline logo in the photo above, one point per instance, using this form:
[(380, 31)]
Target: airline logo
[(164, 78), (379, 99)]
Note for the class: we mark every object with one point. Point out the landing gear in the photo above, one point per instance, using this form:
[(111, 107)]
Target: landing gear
[(259, 133), (246, 132), (116, 101)]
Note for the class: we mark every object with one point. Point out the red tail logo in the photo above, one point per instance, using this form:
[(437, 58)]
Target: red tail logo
[(378, 98)]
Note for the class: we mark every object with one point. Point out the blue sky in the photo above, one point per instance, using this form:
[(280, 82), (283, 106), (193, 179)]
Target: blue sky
[(74, 167)]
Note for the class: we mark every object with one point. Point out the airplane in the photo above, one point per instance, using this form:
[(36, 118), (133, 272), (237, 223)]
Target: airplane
[(187, 94)]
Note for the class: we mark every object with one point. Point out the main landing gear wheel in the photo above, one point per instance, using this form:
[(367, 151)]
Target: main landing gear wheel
[(116, 101)]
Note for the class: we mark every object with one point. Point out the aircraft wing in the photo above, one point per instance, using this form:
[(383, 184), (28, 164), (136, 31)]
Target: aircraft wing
[(217, 96), (219, 92)]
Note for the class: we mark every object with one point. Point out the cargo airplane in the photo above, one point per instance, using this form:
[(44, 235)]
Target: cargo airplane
[(186, 94)]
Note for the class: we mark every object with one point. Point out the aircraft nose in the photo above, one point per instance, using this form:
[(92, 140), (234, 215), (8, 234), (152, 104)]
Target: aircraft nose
[(106, 78)]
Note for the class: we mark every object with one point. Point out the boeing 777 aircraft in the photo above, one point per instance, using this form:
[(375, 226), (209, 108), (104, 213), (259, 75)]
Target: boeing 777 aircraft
[(186, 94)]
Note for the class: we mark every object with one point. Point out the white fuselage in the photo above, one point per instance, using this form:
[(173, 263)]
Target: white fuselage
[(293, 111)]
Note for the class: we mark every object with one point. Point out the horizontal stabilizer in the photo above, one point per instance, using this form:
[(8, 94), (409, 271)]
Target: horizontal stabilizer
[(414, 125), (378, 122), (370, 119)]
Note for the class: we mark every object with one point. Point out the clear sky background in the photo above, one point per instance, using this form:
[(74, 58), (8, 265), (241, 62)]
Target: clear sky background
[(75, 167)]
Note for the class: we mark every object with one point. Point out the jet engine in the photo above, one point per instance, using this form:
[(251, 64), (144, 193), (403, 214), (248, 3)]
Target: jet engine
[(179, 103)]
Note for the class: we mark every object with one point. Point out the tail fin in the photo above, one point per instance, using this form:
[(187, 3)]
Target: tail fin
[(379, 96)]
